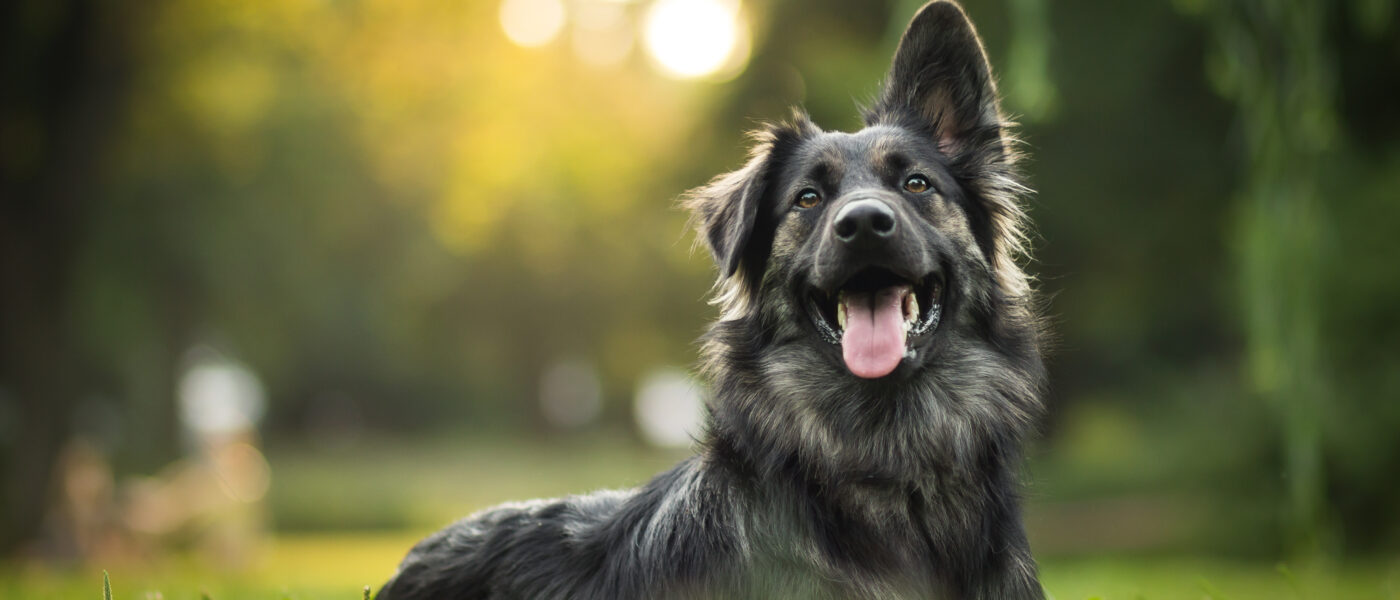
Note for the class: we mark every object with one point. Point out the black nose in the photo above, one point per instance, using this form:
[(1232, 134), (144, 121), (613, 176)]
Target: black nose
[(864, 220)]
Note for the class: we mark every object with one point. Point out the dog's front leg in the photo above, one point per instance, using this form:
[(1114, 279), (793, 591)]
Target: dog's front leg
[(1014, 581), (1012, 574)]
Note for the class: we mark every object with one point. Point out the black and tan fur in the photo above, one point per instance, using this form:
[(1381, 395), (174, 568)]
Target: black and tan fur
[(812, 482)]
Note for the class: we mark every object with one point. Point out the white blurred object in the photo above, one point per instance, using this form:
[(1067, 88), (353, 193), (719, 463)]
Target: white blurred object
[(697, 38), (532, 23), (219, 396), (570, 394), (669, 408)]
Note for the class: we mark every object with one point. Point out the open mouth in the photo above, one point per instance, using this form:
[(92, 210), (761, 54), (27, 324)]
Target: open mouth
[(876, 316)]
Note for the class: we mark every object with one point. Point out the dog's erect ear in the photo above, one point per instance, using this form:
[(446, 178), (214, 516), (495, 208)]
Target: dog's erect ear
[(941, 83), (727, 212), (941, 80)]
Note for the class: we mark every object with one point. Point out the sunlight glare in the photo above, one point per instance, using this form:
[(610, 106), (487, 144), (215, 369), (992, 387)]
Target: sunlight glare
[(532, 23), (692, 38)]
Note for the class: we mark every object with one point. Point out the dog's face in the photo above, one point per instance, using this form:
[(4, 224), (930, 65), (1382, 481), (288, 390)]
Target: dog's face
[(869, 228), (871, 246)]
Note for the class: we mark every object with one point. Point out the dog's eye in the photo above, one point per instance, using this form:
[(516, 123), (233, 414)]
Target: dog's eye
[(916, 184), (808, 198)]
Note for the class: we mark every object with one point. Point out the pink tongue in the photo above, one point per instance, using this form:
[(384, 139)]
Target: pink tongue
[(873, 343)]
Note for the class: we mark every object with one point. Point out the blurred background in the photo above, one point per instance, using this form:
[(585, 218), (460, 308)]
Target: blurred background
[(286, 285)]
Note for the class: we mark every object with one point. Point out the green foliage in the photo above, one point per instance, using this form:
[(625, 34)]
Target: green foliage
[(1279, 64), (1274, 65)]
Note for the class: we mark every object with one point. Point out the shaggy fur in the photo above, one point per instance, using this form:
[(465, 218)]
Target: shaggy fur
[(812, 482)]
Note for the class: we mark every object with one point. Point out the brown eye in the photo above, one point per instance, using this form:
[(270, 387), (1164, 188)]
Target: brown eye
[(916, 184), (808, 198)]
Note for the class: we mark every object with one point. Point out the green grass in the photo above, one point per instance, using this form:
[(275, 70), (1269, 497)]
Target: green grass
[(1196, 578), (338, 567), (329, 566)]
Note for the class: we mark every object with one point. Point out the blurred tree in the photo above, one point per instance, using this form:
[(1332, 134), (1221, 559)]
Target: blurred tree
[(1274, 62), (1278, 61), (1359, 283), (64, 72)]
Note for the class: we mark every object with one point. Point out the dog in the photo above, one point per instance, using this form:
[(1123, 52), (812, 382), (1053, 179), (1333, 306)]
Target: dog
[(874, 369)]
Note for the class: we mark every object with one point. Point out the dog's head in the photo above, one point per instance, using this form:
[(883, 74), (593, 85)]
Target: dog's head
[(878, 247)]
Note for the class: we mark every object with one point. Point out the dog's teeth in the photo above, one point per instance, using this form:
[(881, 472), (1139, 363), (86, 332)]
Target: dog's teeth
[(911, 309), (841, 313)]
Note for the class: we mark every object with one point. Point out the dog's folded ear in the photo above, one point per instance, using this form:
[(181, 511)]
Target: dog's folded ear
[(941, 82), (727, 211)]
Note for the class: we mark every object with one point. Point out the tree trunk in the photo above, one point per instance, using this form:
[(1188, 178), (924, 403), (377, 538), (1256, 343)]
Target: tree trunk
[(63, 72)]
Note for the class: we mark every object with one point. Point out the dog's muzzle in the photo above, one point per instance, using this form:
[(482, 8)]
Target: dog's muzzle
[(879, 293)]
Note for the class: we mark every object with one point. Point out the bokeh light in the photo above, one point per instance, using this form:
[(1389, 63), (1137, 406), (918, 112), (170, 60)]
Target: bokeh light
[(532, 23), (693, 38), (669, 408), (602, 33)]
